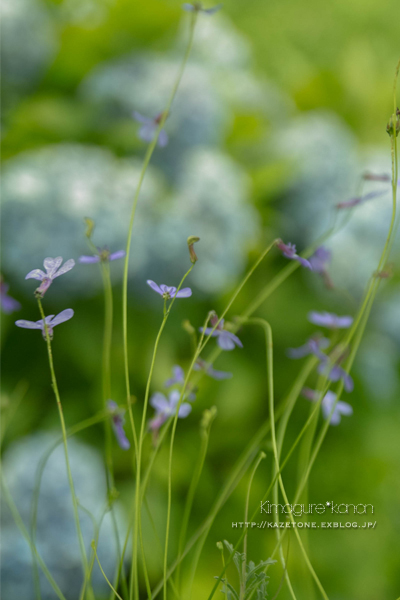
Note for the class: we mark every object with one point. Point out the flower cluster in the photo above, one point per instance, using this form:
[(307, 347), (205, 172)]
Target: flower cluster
[(328, 366)]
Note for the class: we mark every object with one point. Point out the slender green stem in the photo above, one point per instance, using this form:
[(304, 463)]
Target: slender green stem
[(64, 434), (137, 526), (102, 571), (205, 428), (261, 457)]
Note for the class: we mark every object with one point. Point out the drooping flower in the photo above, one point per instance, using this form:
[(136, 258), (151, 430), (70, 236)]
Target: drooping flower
[(328, 401), (319, 262), (329, 320), (313, 346), (51, 322), (166, 407), (360, 200), (225, 339), (202, 365), (169, 292), (53, 270), (289, 251), (198, 7), (104, 255), (8, 304), (149, 127), (118, 421)]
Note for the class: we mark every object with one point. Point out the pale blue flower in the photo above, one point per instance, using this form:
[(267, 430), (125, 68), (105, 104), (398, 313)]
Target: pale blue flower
[(8, 304), (289, 251), (225, 339), (51, 322), (118, 421), (166, 407), (148, 130), (312, 346), (104, 255), (202, 365), (53, 270), (329, 320), (328, 401), (168, 292)]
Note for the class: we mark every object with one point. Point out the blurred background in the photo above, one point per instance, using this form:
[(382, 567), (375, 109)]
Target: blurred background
[(282, 108)]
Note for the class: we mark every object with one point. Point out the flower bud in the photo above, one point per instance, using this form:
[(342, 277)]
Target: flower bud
[(89, 227), (393, 127), (192, 239)]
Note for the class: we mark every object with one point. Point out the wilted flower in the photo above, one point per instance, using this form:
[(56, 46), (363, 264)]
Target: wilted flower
[(312, 346), (202, 365), (190, 241), (149, 128), (359, 200), (329, 320), (104, 255), (51, 321), (341, 408), (226, 340), (8, 304), (198, 7), (118, 421), (319, 262), (169, 292), (52, 271), (289, 251), (166, 408)]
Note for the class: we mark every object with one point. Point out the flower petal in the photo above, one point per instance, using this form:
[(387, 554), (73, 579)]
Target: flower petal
[(303, 262), (218, 375), (51, 265), (147, 132), (63, 316), (162, 138), (27, 324), (184, 293), (117, 255), (67, 266), (184, 410), (159, 402), (225, 342), (211, 11), (141, 118), (36, 274), (188, 7), (344, 408), (208, 330), (174, 398), (154, 287), (234, 338), (88, 259)]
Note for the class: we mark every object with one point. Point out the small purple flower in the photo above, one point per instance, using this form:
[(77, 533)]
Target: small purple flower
[(320, 261), (169, 292), (149, 128), (202, 365), (313, 346), (118, 421), (51, 322), (166, 408), (104, 255), (226, 340), (329, 320), (289, 251), (53, 270), (335, 372), (327, 404), (177, 377), (8, 304), (360, 200), (198, 7)]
